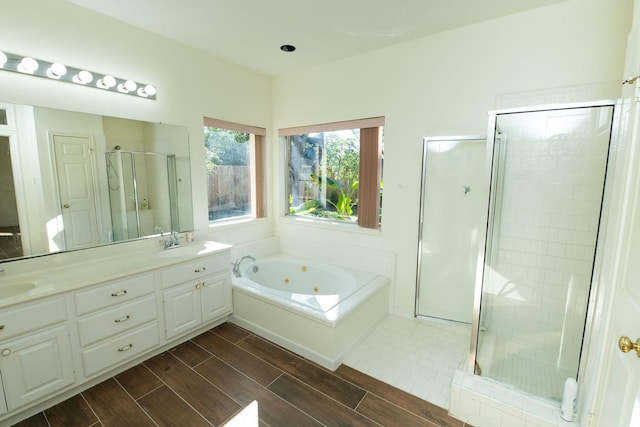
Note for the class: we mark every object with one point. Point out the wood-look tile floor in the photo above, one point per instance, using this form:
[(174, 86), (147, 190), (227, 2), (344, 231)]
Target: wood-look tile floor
[(229, 376)]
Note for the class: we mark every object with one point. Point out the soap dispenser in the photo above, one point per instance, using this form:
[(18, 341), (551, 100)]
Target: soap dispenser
[(145, 204), (569, 399)]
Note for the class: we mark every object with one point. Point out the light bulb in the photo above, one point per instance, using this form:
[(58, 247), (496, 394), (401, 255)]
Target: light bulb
[(150, 90), (56, 70), (147, 91), (28, 65), (106, 82), (3, 59), (83, 77), (130, 85)]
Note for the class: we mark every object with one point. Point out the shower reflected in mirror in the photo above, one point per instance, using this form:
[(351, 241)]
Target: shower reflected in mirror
[(142, 186)]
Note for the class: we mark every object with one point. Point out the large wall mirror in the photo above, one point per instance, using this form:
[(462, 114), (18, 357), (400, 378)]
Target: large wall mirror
[(71, 180)]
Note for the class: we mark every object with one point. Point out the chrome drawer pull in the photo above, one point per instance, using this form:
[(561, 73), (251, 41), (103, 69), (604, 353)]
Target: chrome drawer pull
[(200, 270), (122, 319), (118, 293), (126, 347)]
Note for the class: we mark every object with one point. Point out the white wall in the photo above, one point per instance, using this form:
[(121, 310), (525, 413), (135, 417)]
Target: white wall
[(444, 85)]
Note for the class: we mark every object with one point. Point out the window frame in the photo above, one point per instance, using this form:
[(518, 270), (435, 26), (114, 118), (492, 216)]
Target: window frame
[(256, 167), (370, 170)]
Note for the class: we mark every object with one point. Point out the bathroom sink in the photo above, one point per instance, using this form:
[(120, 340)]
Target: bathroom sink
[(11, 289), (14, 289), (190, 250)]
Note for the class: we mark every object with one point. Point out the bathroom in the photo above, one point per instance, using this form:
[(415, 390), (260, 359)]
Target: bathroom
[(439, 85)]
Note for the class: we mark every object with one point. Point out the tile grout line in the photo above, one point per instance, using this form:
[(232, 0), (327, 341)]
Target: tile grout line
[(134, 401), (354, 409), (88, 405), (197, 373)]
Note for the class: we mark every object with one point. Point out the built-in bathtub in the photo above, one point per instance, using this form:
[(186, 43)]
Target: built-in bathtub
[(314, 309)]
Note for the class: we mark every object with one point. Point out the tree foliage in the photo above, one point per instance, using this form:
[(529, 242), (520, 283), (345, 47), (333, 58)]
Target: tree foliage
[(333, 160), (225, 147)]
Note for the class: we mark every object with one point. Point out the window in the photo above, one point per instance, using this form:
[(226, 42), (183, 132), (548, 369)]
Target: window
[(234, 159), (335, 171)]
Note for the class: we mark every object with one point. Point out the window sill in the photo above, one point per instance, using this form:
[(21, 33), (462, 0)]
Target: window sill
[(328, 224), (236, 222)]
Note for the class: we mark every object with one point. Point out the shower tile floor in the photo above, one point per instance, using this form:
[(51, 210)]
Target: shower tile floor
[(414, 355), (542, 380)]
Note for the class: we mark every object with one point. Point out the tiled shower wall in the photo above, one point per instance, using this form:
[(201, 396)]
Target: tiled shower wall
[(552, 181)]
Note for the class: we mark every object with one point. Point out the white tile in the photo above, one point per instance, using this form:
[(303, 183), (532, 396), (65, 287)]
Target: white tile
[(419, 357), (509, 420), (490, 414)]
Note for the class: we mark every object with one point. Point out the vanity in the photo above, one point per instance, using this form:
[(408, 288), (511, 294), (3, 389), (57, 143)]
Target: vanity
[(88, 315)]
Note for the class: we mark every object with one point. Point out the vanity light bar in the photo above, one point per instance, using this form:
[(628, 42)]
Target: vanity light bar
[(64, 73)]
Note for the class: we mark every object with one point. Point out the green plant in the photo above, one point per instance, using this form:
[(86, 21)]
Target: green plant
[(344, 206)]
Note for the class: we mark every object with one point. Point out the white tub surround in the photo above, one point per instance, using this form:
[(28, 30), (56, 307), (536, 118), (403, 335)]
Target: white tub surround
[(319, 325), (78, 318)]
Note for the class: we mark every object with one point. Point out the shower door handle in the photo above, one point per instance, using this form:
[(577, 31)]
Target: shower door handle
[(626, 345)]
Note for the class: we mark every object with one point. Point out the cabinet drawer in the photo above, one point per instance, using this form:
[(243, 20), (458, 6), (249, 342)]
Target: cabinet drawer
[(116, 320), (120, 349), (31, 316), (114, 293), (195, 270)]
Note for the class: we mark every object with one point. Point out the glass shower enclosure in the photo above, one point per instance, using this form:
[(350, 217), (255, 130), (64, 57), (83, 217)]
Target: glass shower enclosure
[(451, 205), (548, 169)]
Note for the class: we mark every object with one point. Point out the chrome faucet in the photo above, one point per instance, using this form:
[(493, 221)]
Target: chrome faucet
[(173, 241), (236, 264)]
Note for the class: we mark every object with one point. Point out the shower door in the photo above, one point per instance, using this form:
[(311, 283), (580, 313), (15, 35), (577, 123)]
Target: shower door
[(453, 197), (547, 185)]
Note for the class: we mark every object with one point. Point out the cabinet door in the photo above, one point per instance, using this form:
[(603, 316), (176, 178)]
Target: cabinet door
[(182, 310), (36, 366), (216, 297), (3, 402)]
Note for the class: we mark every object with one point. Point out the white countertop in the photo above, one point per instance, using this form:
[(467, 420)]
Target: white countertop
[(72, 275)]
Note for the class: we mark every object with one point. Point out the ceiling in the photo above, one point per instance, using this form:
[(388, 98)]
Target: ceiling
[(250, 32)]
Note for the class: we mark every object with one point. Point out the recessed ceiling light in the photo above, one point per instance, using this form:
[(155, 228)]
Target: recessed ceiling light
[(287, 48)]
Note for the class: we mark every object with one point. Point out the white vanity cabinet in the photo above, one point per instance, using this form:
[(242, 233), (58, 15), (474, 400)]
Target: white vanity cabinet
[(196, 292), (3, 402), (64, 342), (35, 351), (116, 321)]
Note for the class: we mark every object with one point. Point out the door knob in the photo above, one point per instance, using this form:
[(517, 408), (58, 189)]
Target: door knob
[(626, 345), (66, 206)]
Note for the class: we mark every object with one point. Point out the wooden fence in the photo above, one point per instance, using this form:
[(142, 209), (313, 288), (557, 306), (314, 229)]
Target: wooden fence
[(229, 188)]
